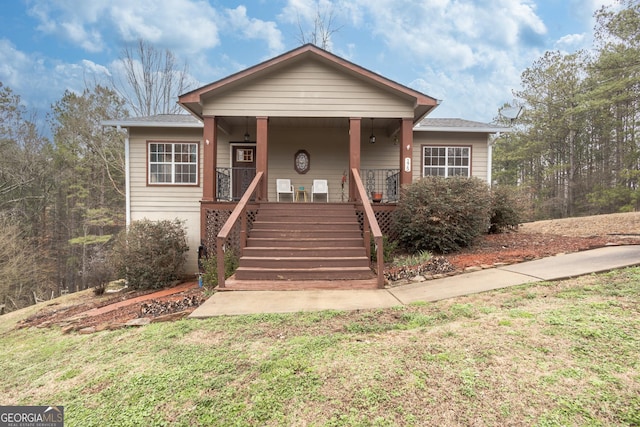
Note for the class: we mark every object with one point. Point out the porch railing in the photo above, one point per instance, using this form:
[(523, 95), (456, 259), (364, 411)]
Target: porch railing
[(385, 181), (371, 228), (229, 178), (239, 214)]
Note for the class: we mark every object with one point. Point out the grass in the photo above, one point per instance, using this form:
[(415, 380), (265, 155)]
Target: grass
[(412, 260), (544, 354)]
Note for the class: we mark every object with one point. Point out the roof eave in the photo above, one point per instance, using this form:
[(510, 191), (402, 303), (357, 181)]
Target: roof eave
[(151, 124), (461, 129)]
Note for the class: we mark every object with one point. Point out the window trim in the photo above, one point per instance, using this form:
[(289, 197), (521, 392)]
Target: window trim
[(446, 167), (173, 176)]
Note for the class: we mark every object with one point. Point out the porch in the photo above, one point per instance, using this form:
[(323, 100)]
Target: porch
[(233, 182)]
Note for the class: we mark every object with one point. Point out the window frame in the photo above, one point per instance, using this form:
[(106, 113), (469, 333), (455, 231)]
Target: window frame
[(446, 166), (173, 164)]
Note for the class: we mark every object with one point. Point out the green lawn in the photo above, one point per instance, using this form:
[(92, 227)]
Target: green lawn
[(545, 354)]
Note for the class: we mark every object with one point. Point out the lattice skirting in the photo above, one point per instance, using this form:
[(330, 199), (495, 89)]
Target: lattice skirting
[(214, 220), (384, 216)]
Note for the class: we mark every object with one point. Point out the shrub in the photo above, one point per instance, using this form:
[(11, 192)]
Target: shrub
[(388, 249), (442, 214), (210, 266), (99, 271), (505, 209), (151, 254)]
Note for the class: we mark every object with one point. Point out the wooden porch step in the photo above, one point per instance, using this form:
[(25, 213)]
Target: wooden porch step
[(305, 210), (345, 207), (309, 234), (305, 216), (313, 250), (296, 224), (319, 273), (276, 262), (304, 242), (232, 284)]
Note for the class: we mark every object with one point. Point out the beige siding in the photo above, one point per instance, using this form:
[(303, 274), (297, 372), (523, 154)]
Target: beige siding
[(166, 202), (384, 154), (309, 89), (477, 142), (328, 150)]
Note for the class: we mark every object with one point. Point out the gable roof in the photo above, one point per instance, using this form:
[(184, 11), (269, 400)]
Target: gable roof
[(192, 101)]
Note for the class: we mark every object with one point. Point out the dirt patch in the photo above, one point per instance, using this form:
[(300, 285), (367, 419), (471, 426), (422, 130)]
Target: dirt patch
[(531, 241), (116, 311)]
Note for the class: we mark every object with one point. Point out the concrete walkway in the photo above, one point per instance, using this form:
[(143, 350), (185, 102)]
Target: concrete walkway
[(553, 268)]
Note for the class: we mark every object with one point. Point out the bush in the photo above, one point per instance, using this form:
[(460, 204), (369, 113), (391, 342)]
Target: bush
[(151, 254), (442, 214), (505, 209), (99, 271), (210, 266), (388, 249)]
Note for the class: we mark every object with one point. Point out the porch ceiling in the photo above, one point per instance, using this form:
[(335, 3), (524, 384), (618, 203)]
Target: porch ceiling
[(391, 125)]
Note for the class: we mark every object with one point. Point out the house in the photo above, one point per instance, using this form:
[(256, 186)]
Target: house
[(302, 116)]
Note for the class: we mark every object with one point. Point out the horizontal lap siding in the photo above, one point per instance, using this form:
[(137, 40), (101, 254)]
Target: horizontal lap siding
[(328, 150), (477, 142), (166, 202), (309, 90)]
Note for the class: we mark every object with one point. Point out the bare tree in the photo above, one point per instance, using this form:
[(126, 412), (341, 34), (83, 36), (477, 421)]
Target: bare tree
[(23, 274), (151, 79), (323, 28)]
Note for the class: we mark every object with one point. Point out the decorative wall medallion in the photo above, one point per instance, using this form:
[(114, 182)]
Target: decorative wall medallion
[(302, 161)]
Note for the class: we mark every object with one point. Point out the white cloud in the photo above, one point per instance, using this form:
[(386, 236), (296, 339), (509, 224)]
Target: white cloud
[(252, 28), (174, 24), (571, 42), (13, 65), (94, 68), (456, 34), (40, 81)]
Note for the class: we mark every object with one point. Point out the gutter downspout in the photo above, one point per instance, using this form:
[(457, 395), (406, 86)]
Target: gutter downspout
[(489, 160), (127, 179)]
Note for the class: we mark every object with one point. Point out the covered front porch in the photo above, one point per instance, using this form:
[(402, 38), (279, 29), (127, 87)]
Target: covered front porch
[(303, 150), (370, 193)]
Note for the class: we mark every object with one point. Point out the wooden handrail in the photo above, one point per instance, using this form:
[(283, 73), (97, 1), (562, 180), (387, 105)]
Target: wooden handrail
[(370, 226), (238, 212)]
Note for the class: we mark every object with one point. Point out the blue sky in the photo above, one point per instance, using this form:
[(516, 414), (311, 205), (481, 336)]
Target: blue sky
[(468, 53)]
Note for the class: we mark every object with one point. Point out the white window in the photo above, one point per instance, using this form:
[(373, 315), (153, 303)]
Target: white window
[(446, 161), (173, 163)]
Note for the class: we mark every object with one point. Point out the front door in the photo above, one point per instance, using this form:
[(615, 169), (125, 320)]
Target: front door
[(243, 169)]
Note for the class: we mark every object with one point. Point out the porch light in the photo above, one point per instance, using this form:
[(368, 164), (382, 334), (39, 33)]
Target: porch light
[(372, 138), (246, 130)]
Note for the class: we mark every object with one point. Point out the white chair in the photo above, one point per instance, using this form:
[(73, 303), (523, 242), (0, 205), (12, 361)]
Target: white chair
[(320, 186), (283, 186)]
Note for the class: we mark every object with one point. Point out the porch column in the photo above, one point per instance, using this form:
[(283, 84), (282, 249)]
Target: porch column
[(262, 132), (210, 140), (406, 151), (354, 153)]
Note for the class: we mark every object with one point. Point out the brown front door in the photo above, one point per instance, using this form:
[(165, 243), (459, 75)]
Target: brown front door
[(244, 169)]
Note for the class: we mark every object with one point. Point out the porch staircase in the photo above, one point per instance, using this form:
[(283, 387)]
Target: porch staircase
[(294, 246)]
